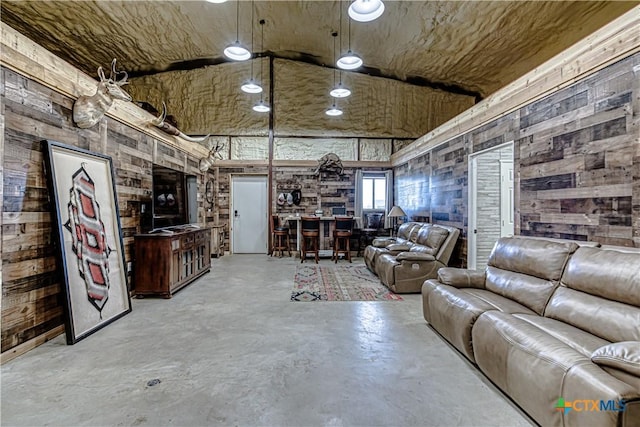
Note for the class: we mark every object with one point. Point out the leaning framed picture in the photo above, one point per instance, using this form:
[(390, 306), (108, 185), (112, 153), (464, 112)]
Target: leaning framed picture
[(91, 254)]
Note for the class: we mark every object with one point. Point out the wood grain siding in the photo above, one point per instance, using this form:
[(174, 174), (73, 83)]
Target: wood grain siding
[(577, 162), (32, 305)]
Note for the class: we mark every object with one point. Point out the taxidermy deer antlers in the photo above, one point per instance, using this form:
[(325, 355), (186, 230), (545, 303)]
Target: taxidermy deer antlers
[(214, 153), (172, 130), (88, 110)]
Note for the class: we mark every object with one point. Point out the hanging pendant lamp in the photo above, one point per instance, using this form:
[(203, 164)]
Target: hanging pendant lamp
[(333, 111), (217, 1), (251, 86), (366, 10), (262, 107), (348, 61), (338, 91), (236, 51)]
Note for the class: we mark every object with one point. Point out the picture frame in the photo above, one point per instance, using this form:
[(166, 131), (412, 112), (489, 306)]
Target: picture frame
[(90, 247)]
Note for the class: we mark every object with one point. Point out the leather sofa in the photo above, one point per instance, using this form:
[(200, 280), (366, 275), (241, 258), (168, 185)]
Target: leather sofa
[(553, 324), (404, 262)]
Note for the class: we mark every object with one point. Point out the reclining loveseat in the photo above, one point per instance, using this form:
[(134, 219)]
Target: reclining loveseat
[(553, 324), (404, 262)]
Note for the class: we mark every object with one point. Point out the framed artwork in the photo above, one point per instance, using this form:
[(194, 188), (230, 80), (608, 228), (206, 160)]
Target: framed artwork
[(91, 254)]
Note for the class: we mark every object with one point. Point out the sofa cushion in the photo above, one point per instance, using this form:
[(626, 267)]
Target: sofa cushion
[(539, 258), (525, 362), (624, 356), (610, 320), (461, 277), (452, 312), (528, 290), (610, 274), (581, 341)]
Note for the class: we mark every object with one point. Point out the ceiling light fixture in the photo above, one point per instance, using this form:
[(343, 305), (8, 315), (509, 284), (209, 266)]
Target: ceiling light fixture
[(333, 111), (236, 51), (262, 107), (216, 1), (251, 86), (366, 10), (338, 91), (348, 61)]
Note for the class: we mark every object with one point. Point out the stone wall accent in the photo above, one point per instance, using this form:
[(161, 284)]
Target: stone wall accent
[(576, 164)]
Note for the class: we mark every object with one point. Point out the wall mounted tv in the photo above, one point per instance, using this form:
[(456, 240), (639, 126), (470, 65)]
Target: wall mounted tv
[(174, 197)]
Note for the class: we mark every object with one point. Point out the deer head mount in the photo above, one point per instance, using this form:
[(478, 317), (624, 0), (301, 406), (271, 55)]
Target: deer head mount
[(172, 130), (214, 153), (89, 110)]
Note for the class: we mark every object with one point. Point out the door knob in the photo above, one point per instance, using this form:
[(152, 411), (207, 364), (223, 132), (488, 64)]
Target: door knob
[(235, 213)]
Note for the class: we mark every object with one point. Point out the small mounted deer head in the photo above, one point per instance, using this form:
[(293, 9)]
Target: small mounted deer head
[(214, 153), (89, 110)]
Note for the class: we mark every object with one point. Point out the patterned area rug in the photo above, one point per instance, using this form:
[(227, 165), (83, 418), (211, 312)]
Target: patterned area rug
[(339, 283)]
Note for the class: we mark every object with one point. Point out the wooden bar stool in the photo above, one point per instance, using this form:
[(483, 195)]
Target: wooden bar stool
[(342, 232), (310, 234), (279, 235)]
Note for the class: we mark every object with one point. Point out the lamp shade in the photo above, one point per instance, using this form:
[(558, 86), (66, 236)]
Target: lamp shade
[(251, 87), (333, 111), (366, 10), (262, 107), (396, 211), (349, 61), (340, 91), (237, 52)]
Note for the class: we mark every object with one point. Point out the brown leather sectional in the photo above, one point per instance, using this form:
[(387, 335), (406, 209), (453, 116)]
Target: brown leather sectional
[(553, 324), (404, 262)]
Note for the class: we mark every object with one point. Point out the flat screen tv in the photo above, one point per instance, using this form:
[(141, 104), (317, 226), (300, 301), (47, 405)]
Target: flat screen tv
[(172, 205)]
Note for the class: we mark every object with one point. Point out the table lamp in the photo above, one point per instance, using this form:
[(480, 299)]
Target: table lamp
[(394, 214)]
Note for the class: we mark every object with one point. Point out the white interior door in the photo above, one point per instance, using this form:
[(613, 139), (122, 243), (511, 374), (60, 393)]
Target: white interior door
[(491, 205), (249, 226), (506, 198)]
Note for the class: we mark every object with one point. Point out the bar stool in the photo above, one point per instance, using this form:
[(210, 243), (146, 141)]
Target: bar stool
[(342, 231), (310, 234), (279, 235)]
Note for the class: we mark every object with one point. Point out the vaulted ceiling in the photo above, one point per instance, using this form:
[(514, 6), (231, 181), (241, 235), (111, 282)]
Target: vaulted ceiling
[(469, 46)]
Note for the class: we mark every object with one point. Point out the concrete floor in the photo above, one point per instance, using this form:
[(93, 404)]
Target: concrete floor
[(231, 349)]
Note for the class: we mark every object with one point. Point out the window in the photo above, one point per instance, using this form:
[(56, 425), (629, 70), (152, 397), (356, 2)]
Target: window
[(374, 192)]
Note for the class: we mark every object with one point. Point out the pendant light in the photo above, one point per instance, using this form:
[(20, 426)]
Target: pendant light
[(236, 51), (262, 107), (366, 10), (217, 1), (251, 86), (348, 61), (333, 111), (338, 91)]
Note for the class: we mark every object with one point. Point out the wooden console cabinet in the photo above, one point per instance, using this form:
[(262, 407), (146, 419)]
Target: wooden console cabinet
[(168, 261)]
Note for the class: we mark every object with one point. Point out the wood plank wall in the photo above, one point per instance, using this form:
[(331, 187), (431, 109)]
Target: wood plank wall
[(31, 287), (577, 164)]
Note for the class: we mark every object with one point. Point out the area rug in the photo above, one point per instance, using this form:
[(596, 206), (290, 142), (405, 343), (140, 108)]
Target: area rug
[(338, 283)]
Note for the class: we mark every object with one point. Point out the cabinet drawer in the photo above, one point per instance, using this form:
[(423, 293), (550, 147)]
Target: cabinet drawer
[(186, 241)]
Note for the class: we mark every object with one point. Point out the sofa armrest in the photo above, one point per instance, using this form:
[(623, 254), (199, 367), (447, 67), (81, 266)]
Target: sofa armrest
[(624, 356), (383, 242), (461, 277), (398, 247), (414, 256)]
